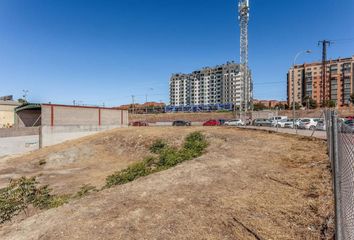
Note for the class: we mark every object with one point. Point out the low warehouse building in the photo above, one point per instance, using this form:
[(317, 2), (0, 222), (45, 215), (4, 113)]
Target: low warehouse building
[(63, 122), (7, 113)]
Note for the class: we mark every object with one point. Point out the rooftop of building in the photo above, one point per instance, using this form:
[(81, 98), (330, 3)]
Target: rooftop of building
[(215, 68), (9, 102), (39, 106), (330, 61)]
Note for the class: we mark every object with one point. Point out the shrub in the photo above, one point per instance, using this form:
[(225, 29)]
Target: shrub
[(85, 190), (44, 200), (193, 146), (158, 146), (20, 193), (169, 157), (131, 173), (16, 197)]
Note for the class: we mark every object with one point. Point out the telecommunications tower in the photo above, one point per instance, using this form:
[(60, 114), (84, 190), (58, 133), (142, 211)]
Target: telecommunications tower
[(246, 87)]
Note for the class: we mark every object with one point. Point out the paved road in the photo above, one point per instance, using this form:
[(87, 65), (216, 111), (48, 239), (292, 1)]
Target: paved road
[(317, 134)]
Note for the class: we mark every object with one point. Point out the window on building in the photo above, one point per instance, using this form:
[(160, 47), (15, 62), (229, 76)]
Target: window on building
[(333, 69)]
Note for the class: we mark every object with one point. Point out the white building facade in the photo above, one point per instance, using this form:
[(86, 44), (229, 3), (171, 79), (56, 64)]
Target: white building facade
[(218, 85)]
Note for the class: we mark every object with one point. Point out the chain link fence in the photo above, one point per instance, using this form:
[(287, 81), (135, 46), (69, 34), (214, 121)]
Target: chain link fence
[(340, 140)]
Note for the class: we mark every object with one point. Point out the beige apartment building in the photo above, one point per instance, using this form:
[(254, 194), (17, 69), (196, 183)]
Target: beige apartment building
[(308, 81), (7, 113), (221, 84)]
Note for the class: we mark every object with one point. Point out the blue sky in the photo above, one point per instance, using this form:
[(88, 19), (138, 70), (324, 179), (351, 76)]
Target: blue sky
[(100, 52)]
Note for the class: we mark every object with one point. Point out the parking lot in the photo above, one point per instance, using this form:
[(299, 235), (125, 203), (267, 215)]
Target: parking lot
[(302, 132)]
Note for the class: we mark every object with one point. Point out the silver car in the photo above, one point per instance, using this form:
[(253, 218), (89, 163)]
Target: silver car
[(235, 122), (321, 125), (290, 123), (308, 123)]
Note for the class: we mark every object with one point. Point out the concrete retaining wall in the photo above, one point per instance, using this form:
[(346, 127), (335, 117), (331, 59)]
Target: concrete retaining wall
[(59, 134), (18, 145), (16, 132), (22, 140), (59, 123)]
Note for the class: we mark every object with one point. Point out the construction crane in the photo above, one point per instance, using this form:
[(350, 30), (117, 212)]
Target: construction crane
[(246, 86)]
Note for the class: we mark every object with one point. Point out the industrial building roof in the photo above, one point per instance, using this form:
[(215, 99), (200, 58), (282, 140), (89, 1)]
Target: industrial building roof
[(39, 105), (28, 106)]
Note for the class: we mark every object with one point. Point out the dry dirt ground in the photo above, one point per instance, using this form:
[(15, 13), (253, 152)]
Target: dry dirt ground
[(248, 185)]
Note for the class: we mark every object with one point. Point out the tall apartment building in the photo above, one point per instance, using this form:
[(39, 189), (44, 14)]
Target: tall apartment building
[(218, 85), (308, 81)]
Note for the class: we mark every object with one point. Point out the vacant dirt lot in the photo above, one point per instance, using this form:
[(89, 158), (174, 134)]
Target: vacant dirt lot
[(249, 185)]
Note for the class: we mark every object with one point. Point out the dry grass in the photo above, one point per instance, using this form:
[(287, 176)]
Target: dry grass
[(248, 185)]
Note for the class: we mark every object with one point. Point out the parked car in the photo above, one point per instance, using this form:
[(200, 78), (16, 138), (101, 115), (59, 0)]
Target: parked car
[(212, 122), (277, 119), (348, 126), (290, 123), (279, 123), (235, 122), (308, 123), (181, 123), (139, 124), (262, 122), (321, 125), (222, 121)]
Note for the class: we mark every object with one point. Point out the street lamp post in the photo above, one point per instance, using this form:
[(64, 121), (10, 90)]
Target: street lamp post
[(146, 100), (293, 78)]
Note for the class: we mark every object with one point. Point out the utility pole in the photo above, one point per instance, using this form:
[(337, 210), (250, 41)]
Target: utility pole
[(146, 100), (324, 44), (133, 104)]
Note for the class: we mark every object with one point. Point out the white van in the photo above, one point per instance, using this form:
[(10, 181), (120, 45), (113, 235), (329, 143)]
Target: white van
[(276, 119)]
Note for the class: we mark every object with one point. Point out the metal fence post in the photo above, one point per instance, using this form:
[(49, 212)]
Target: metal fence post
[(337, 176), (329, 137), (40, 137)]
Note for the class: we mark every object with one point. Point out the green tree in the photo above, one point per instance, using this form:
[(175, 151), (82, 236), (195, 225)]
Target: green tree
[(297, 106), (259, 106), (309, 102), (329, 104), (280, 106)]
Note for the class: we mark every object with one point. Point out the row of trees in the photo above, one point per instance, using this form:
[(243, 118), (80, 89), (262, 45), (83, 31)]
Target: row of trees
[(308, 103)]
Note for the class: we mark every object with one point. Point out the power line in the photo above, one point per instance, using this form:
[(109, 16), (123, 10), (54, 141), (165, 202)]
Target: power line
[(343, 39)]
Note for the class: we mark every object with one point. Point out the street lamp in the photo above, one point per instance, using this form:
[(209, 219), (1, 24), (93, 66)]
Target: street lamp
[(146, 100), (293, 78)]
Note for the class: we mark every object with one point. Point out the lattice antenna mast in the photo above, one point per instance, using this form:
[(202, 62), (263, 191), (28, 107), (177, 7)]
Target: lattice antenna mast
[(243, 16)]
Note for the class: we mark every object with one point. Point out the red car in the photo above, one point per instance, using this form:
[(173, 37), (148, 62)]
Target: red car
[(212, 122), (139, 124)]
